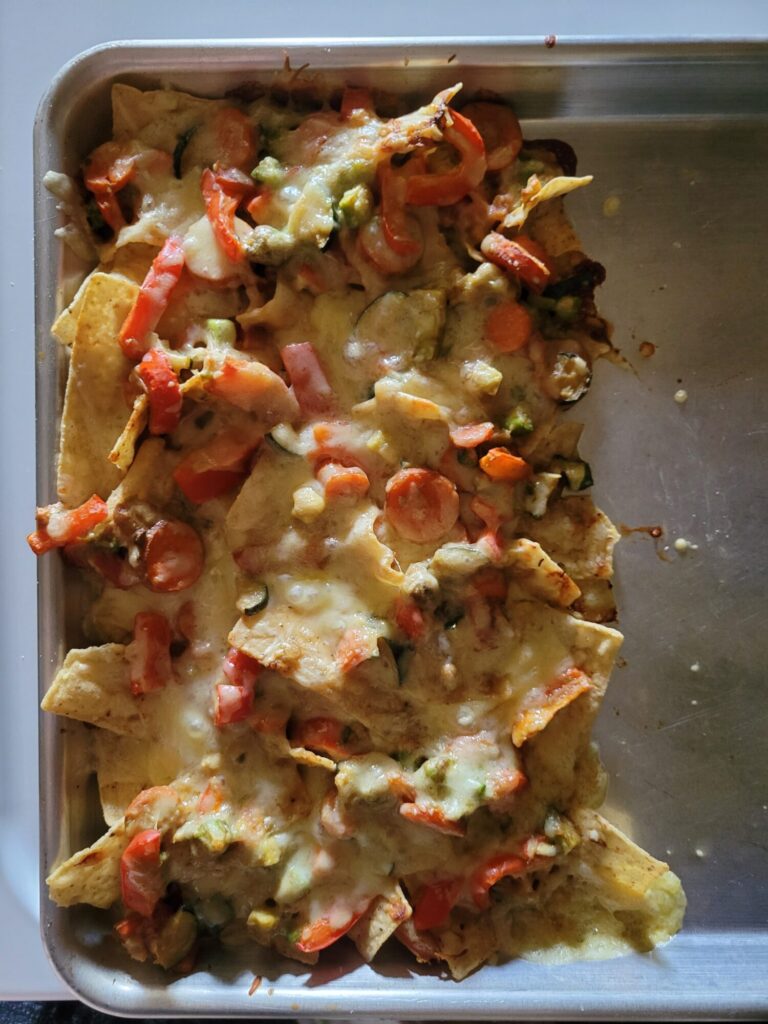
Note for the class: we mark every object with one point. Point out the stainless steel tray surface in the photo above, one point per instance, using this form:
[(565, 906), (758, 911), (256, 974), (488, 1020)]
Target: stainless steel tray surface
[(677, 138)]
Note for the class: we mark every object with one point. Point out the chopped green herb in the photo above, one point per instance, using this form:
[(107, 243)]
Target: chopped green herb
[(182, 142)]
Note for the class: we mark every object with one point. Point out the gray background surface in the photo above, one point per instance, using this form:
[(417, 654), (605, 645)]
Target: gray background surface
[(35, 40)]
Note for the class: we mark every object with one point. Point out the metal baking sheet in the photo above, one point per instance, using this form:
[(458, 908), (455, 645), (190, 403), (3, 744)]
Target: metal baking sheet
[(676, 136)]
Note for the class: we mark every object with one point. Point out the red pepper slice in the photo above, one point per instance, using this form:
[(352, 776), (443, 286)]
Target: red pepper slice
[(57, 527), (435, 902), (163, 391), (321, 933), (521, 257), (451, 186), (153, 298)]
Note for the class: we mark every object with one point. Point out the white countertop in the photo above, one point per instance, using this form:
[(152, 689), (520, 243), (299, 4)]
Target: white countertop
[(34, 44)]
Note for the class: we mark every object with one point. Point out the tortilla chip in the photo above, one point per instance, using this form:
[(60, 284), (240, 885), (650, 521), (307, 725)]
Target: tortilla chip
[(123, 770), (92, 875), (64, 326), (261, 512), (578, 536), (538, 574), (380, 921), (541, 706), (467, 944), (623, 872), (133, 261), (124, 448), (93, 686), (157, 117), (94, 408), (149, 478)]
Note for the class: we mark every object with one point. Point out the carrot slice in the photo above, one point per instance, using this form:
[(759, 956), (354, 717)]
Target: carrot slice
[(471, 434), (421, 504), (500, 464), (508, 326), (343, 481)]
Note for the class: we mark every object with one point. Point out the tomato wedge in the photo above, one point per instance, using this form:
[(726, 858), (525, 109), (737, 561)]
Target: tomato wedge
[(308, 378), (152, 300), (500, 130), (410, 618), (58, 526), (173, 556), (141, 879), (150, 653), (217, 467), (444, 189), (241, 669), (163, 391), (231, 704), (421, 504), (521, 257), (322, 933), (435, 902)]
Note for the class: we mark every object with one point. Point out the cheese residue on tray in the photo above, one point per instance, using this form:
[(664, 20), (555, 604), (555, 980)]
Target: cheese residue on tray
[(351, 598)]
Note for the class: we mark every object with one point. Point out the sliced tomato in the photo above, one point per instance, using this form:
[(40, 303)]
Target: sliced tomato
[(241, 669), (163, 391), (421, 504), (448, 187), (150, 653), (521, 257), (308, 378), (355, 98), (321, 933), (471, 434), (217, 467), (249, 384), (432, 817), (141, 878), (504, 865), (435, 902), (410, 618), (173, 556), (231, 704), (500, 130), (328, 735), (58, 526), (152, 300), (236, 137)]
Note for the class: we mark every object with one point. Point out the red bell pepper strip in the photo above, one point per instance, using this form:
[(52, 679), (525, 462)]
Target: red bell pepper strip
[(221, 203), (108, 170), (409, 618), (141, 880), (485, 877), (500, 130), (448, 187), (152, 300), (355, 98), (58, 526), (435, 902), (321, 933), (232, 704), (432, 817), (326, 734), (236, 138), (163, 391)]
